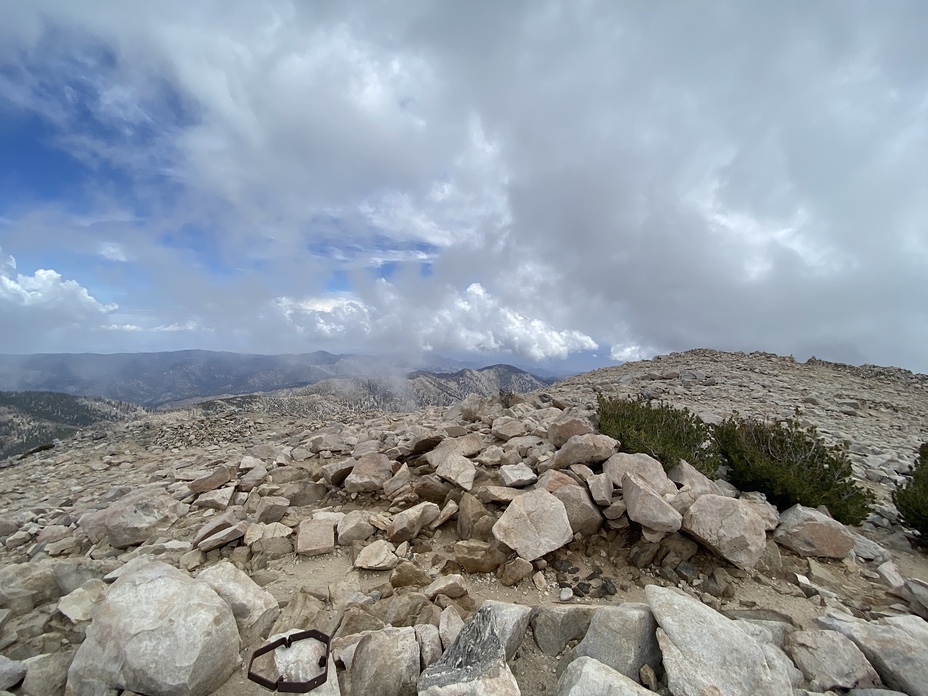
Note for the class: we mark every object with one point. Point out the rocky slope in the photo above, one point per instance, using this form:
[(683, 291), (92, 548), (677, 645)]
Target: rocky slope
[(478, 548)]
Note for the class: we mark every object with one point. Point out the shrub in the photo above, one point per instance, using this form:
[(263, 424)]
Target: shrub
[(912, 499), (791, 465), (668, 434)]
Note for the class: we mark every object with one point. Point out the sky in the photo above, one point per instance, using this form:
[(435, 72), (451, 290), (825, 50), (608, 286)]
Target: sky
[(539, 182)]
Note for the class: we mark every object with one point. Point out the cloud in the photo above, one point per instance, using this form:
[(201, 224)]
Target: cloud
[(524, 178)]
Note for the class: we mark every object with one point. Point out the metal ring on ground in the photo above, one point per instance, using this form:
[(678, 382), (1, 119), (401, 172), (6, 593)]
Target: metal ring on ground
[(282, 685)]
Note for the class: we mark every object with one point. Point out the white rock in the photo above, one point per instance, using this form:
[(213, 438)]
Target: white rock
[(534, 524)]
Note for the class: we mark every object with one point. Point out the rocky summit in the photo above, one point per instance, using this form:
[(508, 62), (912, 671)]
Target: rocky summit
[(502, 545)]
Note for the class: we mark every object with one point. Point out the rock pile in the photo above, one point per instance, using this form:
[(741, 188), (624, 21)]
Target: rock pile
[(483, 549)]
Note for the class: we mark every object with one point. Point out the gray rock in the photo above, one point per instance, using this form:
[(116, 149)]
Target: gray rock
[(271, 508), (586, 676), (11, 672), (767, 512), (810, 533), (47, 674), (475, 664), (621, 637), (254, 608), (517, 475), (646, 507), (706, 653), (300, 662), (457, 469), (584, 449), (429, 644), (378, 555), (369, 474), (511, 621), (450, 624), (555, 626), (133, 518), (869, 550), (898, 650), (335, 473), (354, 526), (561, 431), (153, 633), (386, 663), (583, 514), (829, 660), (315, 537), (534, 524), (644, 466), (690, 478), (407, 524), (728, 527), (79, 605)]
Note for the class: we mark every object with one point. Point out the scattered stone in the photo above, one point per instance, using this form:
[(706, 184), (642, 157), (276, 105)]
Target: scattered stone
[(584, 449), (407, 524), (621, 637), (11, 672), (254, 608), (458, 470), (369, 474), (561, 431), (517, 475), (354, 526), (511, 621), (386, 663), (648, 468), (555, 626), (647, 508), (829, 660)]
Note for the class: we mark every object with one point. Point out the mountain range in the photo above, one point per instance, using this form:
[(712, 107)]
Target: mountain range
[(158, 380)]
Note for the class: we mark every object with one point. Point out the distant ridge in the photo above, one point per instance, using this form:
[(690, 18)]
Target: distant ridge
[(158, 379)]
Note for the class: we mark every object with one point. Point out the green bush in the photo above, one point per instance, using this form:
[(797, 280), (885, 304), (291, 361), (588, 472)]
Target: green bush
[(668, 434), (791, 465), (912, 499)]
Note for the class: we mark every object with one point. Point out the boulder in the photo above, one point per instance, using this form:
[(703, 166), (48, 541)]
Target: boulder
[(897, 648), (386, 663), (254, 608), (706, 653), (335, 473), (586, 676), (476, 556), (355, 526), (506, 428), (457, 469), (584, 449), (429, 644), (830, 661), (517, 475), (315, 537), (46, 674), (767, 512), (561, 431), (689, 477), (583, 514), (555, 626), (642, 465), (407, 524), (728, 527), (11, 672), (378, 555), (271, 508), (511, 621), (300, 662), (211, 481), (534, 524), (621, 637), (808, 532), (157, 632), (369, 474), (133, 518), (450, 624), (646, 507), (474, 664)]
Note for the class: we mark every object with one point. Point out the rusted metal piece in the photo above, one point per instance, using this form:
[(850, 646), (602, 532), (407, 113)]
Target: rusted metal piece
[(281, 684)]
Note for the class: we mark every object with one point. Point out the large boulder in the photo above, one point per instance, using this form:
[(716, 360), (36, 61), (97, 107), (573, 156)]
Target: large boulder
[(623, 638), (386, 663), (728, 527), (369, 474), (646, 507), (474, 664), (408, 523), (133, 518), (584, 449), (642, 465), (157, 632), (586, 676), (830, 660), (253, 607), (897, 647), (534, 524), (555, 626), (808, 532), (706, 653)]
